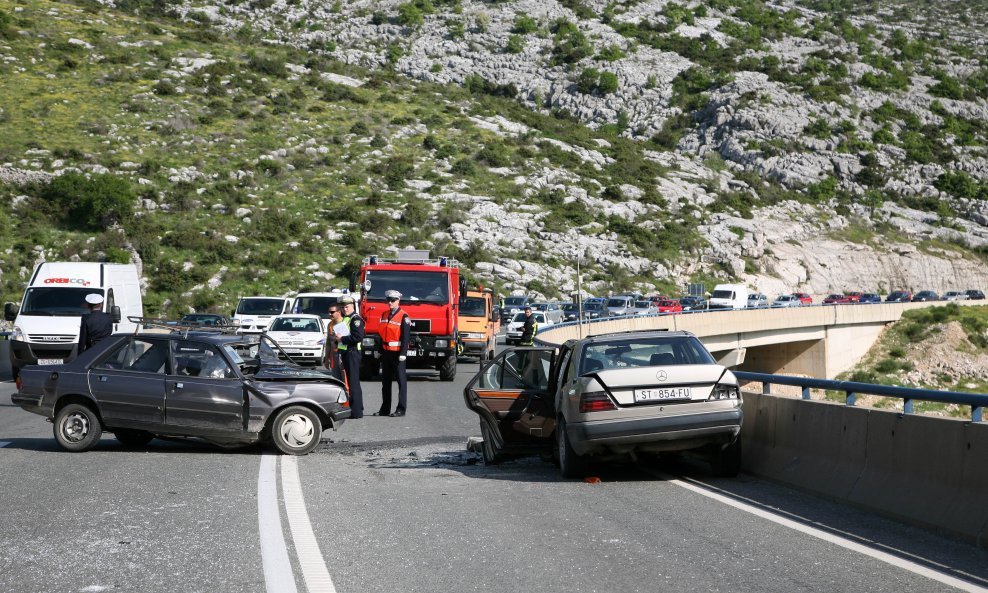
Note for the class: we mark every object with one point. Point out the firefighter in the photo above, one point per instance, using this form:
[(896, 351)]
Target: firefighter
[(333, 361), (528, 330), (396, 330), (349, 347), (96, 325)]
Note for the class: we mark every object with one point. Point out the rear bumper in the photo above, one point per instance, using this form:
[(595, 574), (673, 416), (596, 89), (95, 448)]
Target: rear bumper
[(30, 403), (668, 433)]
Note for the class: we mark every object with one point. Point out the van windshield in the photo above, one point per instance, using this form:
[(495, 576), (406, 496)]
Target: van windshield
[(315, 305), (260, 307), (617, 303), (429, 287), (722, 294), (473, 307), (61, 301)]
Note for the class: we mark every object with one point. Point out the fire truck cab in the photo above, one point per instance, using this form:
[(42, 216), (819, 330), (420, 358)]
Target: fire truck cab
[(431, 289)]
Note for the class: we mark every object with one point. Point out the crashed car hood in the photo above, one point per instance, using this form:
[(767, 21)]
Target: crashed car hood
[(274, 372)]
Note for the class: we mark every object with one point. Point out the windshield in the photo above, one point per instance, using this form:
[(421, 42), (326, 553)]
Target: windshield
[(617, 303), (515, 301), (59, 301), (723, 294), (429, 287), (315, 305), (570, 307), (295, 324), (260, 306), (785, 298), (592, 306), (643, 352), (643, 304), (539, 317), (473, 307)]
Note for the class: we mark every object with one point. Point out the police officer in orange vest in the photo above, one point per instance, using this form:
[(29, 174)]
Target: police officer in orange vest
[(396, 333)]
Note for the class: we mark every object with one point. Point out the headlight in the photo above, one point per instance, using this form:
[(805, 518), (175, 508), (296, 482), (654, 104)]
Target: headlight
[(725, 392), (315, 342), (17, 335), (442, 343), (473, 335), (369, 342)]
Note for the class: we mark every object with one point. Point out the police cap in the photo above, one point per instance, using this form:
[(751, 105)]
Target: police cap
[(392, 294), (346, 300), (94, 299)]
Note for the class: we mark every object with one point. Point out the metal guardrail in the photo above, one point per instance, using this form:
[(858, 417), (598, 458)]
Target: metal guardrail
[(977, 401)]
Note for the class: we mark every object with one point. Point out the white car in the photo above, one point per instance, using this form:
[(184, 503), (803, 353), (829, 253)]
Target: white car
[(518, 322), (955, 295), (300, 336)]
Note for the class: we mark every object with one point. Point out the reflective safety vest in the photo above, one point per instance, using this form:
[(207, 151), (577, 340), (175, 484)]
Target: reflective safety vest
[(391, 330), (531, 339), (341, 346)]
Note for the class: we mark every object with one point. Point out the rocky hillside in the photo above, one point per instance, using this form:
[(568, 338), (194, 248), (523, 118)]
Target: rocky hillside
[(265, 146)]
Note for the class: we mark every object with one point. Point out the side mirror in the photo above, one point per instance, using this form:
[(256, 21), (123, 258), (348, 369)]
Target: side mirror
[(366, 286), (463, 285), (115, 313), (10, 311)]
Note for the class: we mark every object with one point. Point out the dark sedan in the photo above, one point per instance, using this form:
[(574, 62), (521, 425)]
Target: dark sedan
[(975, 295), (225, 389), (693, 303), (925, 295), (869, 297), (899, 296)]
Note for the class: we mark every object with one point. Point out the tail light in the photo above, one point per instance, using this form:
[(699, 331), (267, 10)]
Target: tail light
[(596, 401), (724, 392), (19, 382)]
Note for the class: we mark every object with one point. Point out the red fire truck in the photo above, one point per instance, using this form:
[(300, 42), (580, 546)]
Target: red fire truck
[(430, 291)]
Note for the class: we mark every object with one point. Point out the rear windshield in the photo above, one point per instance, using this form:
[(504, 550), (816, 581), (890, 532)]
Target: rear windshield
[(723, 294), (643, 352), (618, 302)]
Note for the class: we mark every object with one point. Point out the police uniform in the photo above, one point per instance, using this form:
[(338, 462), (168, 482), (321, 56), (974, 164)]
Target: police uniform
[(95, 326), (528, 331), (349, 348), (396, 333)]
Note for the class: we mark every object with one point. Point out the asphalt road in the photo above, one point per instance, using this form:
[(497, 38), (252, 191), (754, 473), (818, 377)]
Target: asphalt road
[(399, 504)]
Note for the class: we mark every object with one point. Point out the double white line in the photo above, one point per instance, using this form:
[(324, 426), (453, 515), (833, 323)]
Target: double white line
[(278, 574)]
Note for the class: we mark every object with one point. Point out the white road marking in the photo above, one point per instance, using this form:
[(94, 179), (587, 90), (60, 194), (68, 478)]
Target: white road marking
[(831, 538), (278, 575), (314, 571), (4, 444)]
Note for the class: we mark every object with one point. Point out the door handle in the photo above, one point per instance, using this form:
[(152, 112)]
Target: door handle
[(180, 386), (102, 378)]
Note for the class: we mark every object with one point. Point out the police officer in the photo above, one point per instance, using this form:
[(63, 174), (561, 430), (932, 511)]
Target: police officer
[(528, 330), (96, 324), (396, 333), (349, 347)]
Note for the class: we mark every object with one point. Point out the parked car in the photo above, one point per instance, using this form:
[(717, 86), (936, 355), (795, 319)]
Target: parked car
[(786, 300), (757, 300), (955, 295), (693, 303), (594, 310), (899, 296), (571, 311), (514, 326), (803, 298), (853, 296), (836, 299), (553, 311), (606, 396), (205, 319), (644, 307), (925, 296), (300, 337), (226, 389), (870, 297), (975, 295), (620, 305), (669, 306), (512, 306)]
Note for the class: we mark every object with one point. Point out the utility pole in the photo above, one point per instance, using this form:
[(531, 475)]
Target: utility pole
[(579, 293)]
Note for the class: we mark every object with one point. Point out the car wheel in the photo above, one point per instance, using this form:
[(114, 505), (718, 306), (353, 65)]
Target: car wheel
[(491, 455), (77, 428), (133, 438), (571, 464), (447, 369), (726, 462), (296, 430)]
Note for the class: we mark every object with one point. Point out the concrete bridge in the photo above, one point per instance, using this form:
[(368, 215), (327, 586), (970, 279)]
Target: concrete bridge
[(819, 341)]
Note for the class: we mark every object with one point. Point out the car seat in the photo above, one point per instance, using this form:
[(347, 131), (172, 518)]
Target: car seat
[(152, 361), (662, 359)]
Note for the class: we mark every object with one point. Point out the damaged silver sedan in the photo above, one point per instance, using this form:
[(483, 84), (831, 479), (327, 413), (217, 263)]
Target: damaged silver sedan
[(229, 390), (609, 395)]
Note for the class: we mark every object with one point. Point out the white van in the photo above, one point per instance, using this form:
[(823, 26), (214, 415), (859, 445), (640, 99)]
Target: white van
[(729, 296), (317, 303), (620, 304), (46, 325), (254, 314)]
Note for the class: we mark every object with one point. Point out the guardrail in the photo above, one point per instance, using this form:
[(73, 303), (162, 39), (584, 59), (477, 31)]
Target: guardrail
[(851, 389)]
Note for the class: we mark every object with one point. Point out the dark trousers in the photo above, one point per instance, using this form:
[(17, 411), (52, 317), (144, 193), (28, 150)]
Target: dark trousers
[(334, 363), (391, 369), (351, 366)]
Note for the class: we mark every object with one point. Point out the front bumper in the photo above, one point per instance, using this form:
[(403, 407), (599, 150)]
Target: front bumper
[(307, 354), (473, 345), (25, 353), (659, 433)]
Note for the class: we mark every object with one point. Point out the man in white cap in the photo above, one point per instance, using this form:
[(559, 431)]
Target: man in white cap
[(396, 332), (96, 325), (349, 348)]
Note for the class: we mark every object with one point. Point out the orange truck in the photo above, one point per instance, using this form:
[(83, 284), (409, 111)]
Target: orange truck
[(479, 323)]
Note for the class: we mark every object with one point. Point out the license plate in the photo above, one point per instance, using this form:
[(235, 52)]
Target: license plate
[(415, 353), (50, 361), (662, 394)]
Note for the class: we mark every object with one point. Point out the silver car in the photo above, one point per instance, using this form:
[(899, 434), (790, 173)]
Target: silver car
[(609, 395), (787, 300)]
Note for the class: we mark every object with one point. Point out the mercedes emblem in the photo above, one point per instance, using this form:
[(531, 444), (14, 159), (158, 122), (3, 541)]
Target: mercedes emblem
[(661, 376)]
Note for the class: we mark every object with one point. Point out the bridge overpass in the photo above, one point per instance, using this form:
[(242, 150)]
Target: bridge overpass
[(817, 341)]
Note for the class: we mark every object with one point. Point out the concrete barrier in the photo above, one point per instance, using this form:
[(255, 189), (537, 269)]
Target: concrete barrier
[(922, 470)]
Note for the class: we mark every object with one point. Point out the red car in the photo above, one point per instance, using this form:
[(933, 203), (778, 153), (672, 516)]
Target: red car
[(837, 299), (670, 306), (803, 298), (853, 297)]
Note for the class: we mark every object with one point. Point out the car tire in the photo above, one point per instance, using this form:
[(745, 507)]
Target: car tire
[(571, 464), (491, 455), (296, 430), (447, 369), (133, 438), (726, 462), (77, 428)]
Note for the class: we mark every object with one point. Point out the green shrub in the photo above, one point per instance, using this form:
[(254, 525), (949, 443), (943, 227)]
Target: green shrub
[(495, 155), (92, 202), (570, 45), (515, 44), (611, 53), (266, 65), (409, 15), (586, 83), (524, 25)]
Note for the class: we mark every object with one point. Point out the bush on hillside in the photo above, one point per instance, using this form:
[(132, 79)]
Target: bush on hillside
[(92, 202)]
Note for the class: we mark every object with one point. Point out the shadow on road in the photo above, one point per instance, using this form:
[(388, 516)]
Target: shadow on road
[(108, 444)]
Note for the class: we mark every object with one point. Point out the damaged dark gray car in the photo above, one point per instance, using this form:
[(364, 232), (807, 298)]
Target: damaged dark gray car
[(229, 390)]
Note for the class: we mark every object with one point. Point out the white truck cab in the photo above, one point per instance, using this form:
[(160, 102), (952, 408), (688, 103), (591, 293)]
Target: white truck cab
[(317, 303), (729, 296), (46, 324), (254, 314)]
